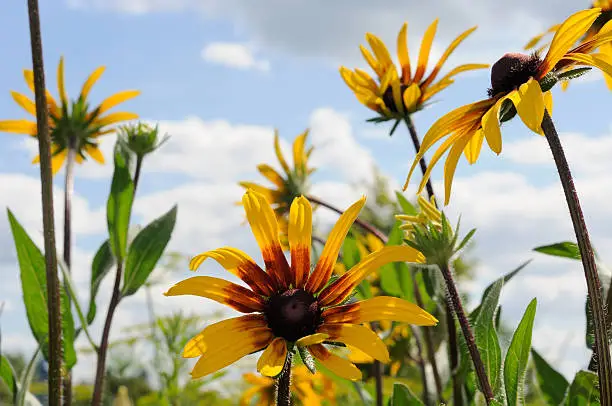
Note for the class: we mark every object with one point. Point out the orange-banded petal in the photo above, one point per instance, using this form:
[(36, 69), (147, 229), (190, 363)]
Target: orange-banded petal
[(299, 152), (566, 36), (94, 152), (426, 43), (230, 349), (60, 82), (209, 337), (263, 223), (24, 102), (240, 264), (113, 118), (270, 173), (219, 290), (342, 288), (117, 99), (474, 146), (312, 339), (18, 127), (273, 358), (451, 48), (358, 336), (450, 165), (279, 153), (300, 240), (334, 363), (324, 268), (529, 102), (91, 80), (377, 309), (403, 55)]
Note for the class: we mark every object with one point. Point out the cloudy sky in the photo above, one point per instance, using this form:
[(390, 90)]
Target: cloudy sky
[(219, 76)]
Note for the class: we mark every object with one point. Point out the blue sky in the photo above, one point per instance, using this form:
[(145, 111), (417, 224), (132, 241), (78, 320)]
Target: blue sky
[(276, 66)]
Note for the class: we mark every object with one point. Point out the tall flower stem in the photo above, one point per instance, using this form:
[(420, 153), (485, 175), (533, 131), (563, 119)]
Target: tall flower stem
[(421, 363), (283, 384), (114, 302), (602, 348), (457, 306), (68, 192), (417, 146), (453, 355), (46, 180)]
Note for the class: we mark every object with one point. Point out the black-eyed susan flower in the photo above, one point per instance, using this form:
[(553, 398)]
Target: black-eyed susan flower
[(287, 305), (400, 92), (73, 124), (519, 84)]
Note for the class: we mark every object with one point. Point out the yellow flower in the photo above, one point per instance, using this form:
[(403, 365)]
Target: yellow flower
[(599, 26), (307, 389), (288, 305), (293, 182), (73, 124), (519, 84), (396, 95)]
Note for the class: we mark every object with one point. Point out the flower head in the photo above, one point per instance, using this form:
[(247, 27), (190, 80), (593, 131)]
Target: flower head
[(140, 138), (519, 84), (287, 305), (400, 92), (73, 124)]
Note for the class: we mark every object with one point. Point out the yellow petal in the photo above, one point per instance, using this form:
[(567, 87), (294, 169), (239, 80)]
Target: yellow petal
[(358, 336), (25, 102), (490, 127), (403, 54), (451, 165), (334, 363), (18, 127), (116, 99), (299, 154), (601, 61), (91, 80), (446, 81), (411, 97), (279, 153), (376, 67), (28, 75), (474, 146), (397, 96), (94, 152), (272, 360), (428, 38), (60, 81), (357, 356), (115, 118), (316, 338), (451, 48), (270, 173), (548, 102), (300, 240), (380, 51), (57, 160), (529, 103), (324, 268)]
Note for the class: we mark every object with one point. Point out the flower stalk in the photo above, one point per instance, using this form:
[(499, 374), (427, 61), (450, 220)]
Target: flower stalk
[(283, 386), (602, 349), (46, 180)]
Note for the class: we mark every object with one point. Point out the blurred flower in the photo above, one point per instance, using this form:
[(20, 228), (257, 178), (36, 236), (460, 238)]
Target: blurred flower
[(288, 304), (292, 183), (307, 389), (397, 95), (140, 138), (519, 84), (73, 124), (122, 398)]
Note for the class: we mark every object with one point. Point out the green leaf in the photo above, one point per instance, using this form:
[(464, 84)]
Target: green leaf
[(584, 390), (8, 376), (403, 396), (390, 275), (34, 287), (518, 355), (573, 73), (102, 263), (26, 379), (552, 384), (407, 207), (565, 249), (146, 250), (119, 205)]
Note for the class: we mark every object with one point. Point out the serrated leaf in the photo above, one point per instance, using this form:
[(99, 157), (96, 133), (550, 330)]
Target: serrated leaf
[(33, 274), (565, 249), (573, 73), (119, 205), (584, 390), (307, 359), (102, 263), (518, 356), (552, 384), (146, 250), (403, 396), (8, 377)]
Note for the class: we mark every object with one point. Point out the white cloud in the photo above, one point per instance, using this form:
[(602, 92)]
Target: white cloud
[(233, 55)]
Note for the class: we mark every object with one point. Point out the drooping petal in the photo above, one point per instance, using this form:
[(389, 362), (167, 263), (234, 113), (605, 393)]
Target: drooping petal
[(450, 165), (60, 81), (380, 51), (265, 229), (25, 102), (324, 268), (316, 338), (57, 160), (94, 152), (358, 336), (240, 264), (566, 36), (474, 146), (342, 288), (426, 43), (117, 99), (18, 127), (299, 154), (115, 118), (272, 360), (91, 80), (230, 349), (279, 153), (300, 240), (403, 54), (271, 195), (377, 309), (270, 173), (219, 290), (334, 363), (209, 337), (529, 102), (490, 127), (601, 61)]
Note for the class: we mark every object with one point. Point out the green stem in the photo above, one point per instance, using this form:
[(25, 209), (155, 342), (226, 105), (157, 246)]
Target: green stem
[(283, 384), (602, 349), (46, 180)]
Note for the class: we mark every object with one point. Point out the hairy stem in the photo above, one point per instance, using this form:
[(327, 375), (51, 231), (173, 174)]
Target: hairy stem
[(68, 192), (378, 378), (457, 306), (283, 384), (46, 180), (417, 146), (602, 349), (453, 355)]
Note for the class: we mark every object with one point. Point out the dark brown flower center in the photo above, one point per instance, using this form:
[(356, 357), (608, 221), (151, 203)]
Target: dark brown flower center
[(511, 71), (293, 314), (390, 101)]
